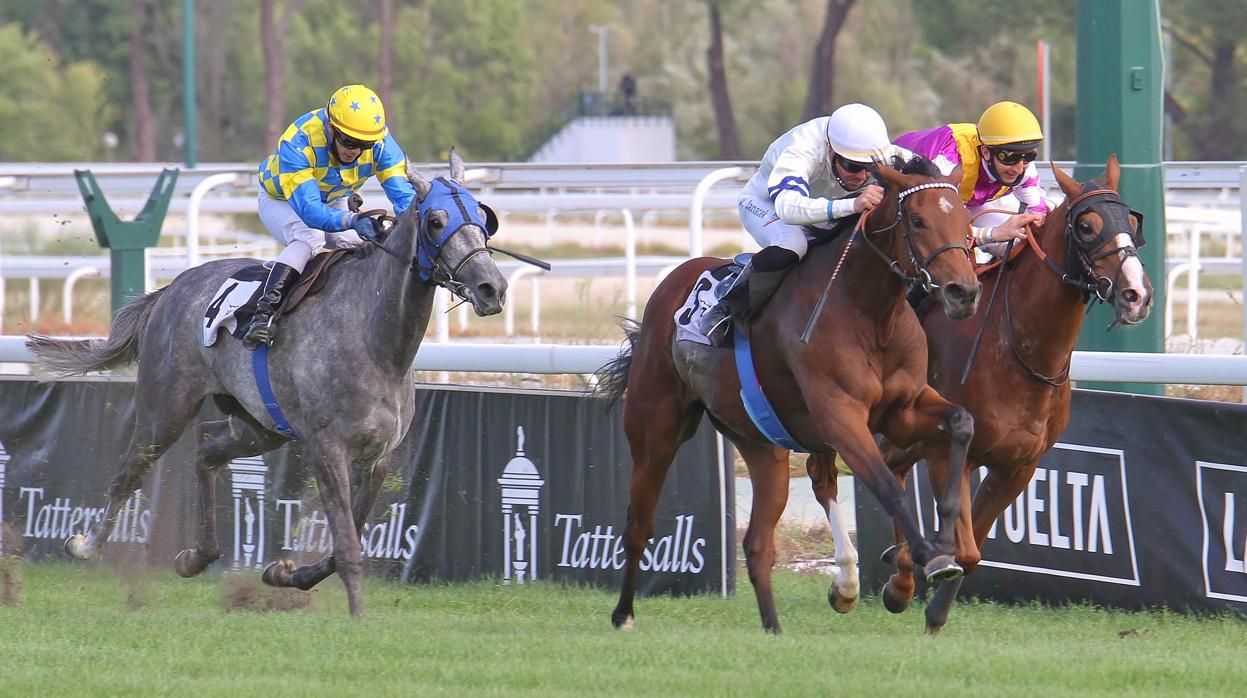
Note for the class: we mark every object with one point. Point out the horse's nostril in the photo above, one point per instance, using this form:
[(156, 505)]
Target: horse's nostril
[(1130, 295), (486, 291)]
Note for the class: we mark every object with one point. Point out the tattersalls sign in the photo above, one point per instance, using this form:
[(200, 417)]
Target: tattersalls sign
[(1142, 502), (517, 486)]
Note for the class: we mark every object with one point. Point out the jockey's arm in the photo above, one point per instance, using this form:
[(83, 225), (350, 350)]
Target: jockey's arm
[(789, 189), (392, 175)]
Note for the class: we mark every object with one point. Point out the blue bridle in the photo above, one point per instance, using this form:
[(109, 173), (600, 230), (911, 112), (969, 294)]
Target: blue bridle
[(461, 209)]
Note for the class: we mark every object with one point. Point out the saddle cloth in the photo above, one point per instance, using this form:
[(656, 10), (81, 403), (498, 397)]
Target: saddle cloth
[(710, 287), (235, 301)]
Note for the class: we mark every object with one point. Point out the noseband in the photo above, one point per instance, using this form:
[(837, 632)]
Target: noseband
[(922, 275)]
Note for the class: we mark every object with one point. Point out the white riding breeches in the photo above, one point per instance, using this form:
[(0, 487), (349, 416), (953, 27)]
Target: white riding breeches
[(302, 242), (759, 218)]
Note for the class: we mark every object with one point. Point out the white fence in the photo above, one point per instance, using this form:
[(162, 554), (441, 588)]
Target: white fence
[(1121, 367), (1202, 206)]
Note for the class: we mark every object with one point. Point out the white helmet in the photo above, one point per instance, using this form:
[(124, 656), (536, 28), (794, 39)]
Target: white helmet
[(857, 132)]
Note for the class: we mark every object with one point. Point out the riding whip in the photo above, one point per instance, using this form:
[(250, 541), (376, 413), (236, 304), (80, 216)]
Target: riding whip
[(974, 348)]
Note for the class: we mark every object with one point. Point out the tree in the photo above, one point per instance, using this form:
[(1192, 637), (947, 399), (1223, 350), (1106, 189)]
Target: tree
[(818, 100), (720, 98), (385, 58), (1207, 73), (143, 140), (272, 37)]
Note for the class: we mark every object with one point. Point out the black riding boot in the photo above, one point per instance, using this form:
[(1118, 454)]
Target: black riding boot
[(766, 271), (263, 329), (717, 321)]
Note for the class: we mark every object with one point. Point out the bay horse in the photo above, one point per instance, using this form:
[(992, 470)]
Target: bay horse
[(862, 371), (341, 373), (1018, 391)]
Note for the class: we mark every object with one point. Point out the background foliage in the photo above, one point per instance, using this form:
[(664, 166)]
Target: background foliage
[(493, 76)]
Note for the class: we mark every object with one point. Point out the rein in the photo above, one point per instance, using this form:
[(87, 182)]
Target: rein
[(921, 277), (1102, 287)]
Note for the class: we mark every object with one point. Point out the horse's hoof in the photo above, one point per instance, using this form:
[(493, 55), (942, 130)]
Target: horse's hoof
[(841, 604), (892, 602), (624, 622), (889, 556), (190, 563), (942, 568), (933, 630), (277, 574), (76, 546)]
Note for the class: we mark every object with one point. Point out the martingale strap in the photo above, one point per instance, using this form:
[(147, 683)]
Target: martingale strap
[(756, 405), (259, 366)]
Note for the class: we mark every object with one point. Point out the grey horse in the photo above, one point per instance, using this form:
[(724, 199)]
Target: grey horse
[(341, 372)]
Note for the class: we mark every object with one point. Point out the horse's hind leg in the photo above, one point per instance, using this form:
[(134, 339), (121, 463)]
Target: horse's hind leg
[(655, 428), (768, 470), (845, 587), (219, 442), (157, 425)]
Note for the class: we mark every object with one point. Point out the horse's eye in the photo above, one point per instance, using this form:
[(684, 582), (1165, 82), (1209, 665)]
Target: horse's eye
[(436, 222), (1084, 228), (916, 222)]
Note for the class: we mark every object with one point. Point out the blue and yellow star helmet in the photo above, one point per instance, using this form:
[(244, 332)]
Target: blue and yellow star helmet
[(357, 111)]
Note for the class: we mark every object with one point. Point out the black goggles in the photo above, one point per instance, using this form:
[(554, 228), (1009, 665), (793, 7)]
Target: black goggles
[(851, 167), (351, 143), (1013, 157)]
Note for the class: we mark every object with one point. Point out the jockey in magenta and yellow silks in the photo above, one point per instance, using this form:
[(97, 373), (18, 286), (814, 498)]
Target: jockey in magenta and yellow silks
[(320, 160), (993, 163)]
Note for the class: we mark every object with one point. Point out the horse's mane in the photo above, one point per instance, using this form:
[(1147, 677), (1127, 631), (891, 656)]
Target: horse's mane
[(917, 165)]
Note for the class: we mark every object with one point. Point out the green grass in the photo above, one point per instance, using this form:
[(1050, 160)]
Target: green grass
[(88, 631)]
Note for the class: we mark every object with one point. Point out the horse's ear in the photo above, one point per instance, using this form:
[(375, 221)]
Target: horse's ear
[(456, 166), (888, 176), (1068, 185), (418, 181), (1112, 171)]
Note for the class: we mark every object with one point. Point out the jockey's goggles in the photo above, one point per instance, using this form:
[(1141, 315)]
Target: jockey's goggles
[(849, 166), (1007, 157), (351, 143)]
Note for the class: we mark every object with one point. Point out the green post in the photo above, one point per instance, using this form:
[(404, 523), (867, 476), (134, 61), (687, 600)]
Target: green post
[(191, 135), (1120, 99), (127, 240)]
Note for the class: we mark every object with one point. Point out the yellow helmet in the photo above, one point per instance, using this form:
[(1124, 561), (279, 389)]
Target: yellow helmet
[(1009, 126), (357, 111)]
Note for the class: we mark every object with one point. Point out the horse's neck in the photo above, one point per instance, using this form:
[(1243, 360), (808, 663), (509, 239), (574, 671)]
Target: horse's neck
[(1044, 309), (868, 280), (400, 304)]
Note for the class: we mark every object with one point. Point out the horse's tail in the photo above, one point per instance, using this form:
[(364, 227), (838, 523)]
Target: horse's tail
[(613, 376), (121, 347)]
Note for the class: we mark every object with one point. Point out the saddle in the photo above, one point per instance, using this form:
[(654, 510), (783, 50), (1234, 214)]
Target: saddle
[(234, 304)]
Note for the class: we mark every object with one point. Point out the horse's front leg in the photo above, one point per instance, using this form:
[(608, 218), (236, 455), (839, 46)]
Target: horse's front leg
[(932, 418), (846, 586), (333, 477), (846, 428)]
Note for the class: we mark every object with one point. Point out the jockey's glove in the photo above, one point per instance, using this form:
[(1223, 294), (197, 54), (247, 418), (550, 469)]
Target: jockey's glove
[(366, 227)]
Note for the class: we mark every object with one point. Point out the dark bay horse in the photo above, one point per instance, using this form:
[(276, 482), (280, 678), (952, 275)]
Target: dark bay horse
[(1018, 390), (862, 371), (341, 373)]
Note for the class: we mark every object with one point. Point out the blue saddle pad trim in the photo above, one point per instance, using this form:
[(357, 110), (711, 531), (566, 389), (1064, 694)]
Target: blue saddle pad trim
[(259, 366), (756, 405)]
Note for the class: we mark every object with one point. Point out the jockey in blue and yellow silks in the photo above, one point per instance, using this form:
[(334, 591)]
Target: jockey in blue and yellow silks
[(321, 159)]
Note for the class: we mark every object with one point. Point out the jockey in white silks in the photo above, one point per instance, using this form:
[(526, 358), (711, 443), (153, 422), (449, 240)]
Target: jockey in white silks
[(815, 174)]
